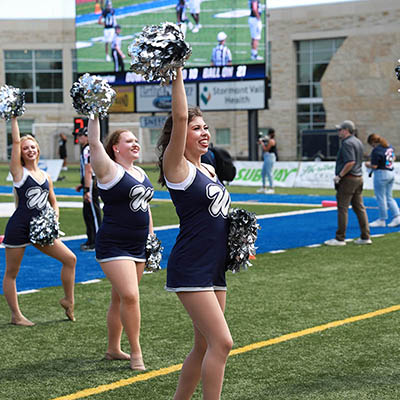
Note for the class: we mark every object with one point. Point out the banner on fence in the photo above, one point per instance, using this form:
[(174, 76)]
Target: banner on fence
[(306, 174)]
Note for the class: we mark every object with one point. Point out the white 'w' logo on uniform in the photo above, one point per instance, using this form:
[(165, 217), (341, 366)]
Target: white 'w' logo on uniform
[(37, 197), (220, 200), (141, 197)]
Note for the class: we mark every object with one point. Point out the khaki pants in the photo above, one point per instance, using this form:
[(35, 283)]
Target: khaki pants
[(349, 191)]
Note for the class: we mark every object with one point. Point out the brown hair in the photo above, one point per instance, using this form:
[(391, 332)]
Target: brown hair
[(374, 138), (29, 137), (111, 140), (165, 137)]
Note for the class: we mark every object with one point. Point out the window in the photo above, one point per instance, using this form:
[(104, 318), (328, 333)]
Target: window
[(154, 135), (313, 57), (37, 72), (25, 128), (223, 136)]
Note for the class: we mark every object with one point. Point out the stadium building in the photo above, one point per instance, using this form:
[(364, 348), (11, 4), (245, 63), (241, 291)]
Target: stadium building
[(327, 63)]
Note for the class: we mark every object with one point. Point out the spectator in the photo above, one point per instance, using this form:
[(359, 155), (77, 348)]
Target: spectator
[(268, 145), (91, 203), (382, 159), (349, 185), (194, 8), (62, 151), (221, 55)]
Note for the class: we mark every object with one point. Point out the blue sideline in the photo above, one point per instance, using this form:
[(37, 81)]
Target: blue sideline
[(299, 231)]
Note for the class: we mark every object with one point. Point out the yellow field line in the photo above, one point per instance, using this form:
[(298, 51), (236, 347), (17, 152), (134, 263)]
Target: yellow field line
[(165, 371)]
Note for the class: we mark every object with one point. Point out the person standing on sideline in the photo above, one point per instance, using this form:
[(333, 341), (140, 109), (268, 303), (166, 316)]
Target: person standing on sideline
[(196, 265), (108, 19), (221, 55), (34, 192), (121, 240), (268, 146), (349, 185), (116, 51), (91, 203), (382, 159), (181, 19), (62, 151), (194, 8), (255, 25)]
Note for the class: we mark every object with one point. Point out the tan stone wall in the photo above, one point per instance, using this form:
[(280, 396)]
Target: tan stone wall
[(358, 84)]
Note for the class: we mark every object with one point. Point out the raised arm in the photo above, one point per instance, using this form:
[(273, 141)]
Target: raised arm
[(102, 165), (16, 167), (174, 163)]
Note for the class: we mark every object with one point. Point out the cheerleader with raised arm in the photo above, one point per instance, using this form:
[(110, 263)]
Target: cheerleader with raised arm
[(196, 266), (34, 191)]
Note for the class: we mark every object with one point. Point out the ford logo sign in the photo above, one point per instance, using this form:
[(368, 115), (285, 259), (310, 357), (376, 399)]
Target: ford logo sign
[(163, 102)]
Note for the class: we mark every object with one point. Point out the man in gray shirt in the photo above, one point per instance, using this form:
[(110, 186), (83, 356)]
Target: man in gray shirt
[(349, 185)]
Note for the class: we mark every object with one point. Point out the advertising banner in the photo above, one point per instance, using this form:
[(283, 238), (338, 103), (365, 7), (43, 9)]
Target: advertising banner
[(153, 98), (234, 95)]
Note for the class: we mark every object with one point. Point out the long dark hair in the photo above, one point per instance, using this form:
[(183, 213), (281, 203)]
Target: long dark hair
[(374, 138), (165, 137)]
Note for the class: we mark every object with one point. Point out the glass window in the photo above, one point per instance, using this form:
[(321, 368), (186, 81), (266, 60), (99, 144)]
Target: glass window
[(38, 72), (154, 135), (223, 136)]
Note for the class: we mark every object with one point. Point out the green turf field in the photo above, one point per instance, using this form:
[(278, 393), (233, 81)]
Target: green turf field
[(280, 295), (92, 59)]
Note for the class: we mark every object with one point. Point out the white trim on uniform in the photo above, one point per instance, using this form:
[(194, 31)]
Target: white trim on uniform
[(188, 180), (195, 289), (118, 176), (120, 258), (11, 246)]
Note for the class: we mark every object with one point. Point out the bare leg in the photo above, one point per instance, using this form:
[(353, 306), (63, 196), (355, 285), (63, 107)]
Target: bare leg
[(62, 253), (13, 263), (213, 342), (124, 279)]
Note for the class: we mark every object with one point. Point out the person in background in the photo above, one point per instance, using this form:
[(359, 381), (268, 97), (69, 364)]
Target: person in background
[(121, 240), (62, 150), (196, 265), (181, 19), (348, 182), (221, 55), (268, 145), (108, 19), (194, 8), (382, 159), (91, 202), (34, 192), (116, 51), (255, 25)]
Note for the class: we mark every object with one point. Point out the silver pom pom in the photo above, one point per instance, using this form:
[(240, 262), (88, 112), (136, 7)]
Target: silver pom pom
[(44, 228), (241, 239), (92, 96), (153, 253), (158, 51), (12, 102)]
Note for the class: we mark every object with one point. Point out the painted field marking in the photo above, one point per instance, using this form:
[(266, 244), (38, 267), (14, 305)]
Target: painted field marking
[(254, 346)]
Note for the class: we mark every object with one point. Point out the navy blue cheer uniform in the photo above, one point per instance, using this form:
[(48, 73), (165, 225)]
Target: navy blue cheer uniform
[(125, 227), (197, 261), (32, 199)]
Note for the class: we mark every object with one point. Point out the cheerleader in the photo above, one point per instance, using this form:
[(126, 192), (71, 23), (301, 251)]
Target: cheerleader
[(120, 242), (196, 266), (34, 190)]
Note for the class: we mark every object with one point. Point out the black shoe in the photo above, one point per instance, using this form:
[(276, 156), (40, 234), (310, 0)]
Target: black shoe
[(87, 247)]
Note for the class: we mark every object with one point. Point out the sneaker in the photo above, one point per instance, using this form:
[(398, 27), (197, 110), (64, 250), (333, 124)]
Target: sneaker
[(108, 58), (196, 29), (270, 191), (261, 190), (335, 242), (395, 222), (87, 247), (64, 169), (363, 241), (256, 57), (378, 223), (190, 25)]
